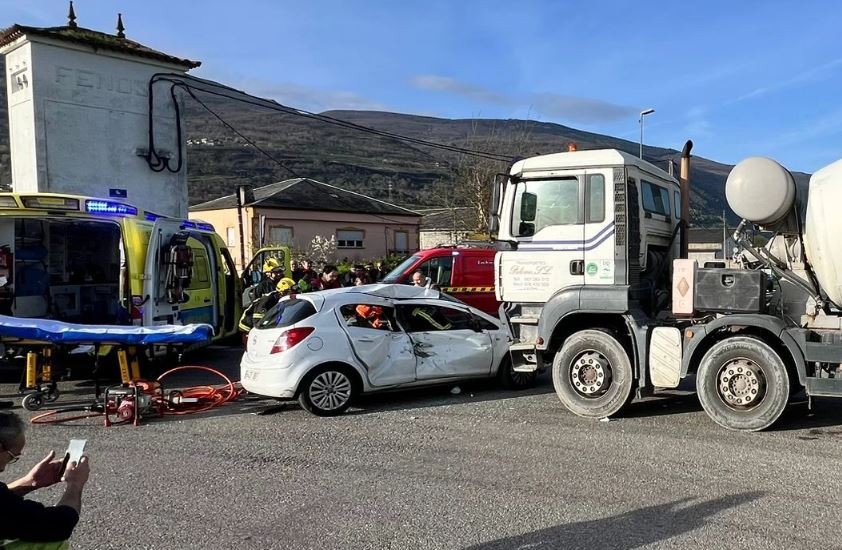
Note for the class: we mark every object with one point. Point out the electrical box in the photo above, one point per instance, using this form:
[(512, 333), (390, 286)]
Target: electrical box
[(730, 291)]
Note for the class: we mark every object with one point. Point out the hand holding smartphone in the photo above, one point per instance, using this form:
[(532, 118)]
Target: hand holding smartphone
[(74, 452)]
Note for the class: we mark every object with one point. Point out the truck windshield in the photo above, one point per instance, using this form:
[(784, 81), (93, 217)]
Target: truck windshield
[(542, 203), (394, 275)]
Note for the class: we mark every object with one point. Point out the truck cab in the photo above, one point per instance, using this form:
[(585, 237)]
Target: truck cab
[(590, 232), (466, 273)]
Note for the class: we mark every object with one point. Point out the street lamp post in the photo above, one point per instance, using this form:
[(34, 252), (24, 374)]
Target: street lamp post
[(643, 114)]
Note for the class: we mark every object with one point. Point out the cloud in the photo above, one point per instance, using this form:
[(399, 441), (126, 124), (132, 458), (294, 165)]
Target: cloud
[(580, 109), (451, 85), (814, 74), (570, 108), (314, 99)]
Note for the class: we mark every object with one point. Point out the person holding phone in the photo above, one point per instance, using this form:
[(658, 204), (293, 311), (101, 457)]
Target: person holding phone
[(26, 520)]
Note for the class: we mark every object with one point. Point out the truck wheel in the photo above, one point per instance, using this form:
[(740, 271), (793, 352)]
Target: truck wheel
[(512, 380), (327, 391), (743, 384), (592, 374)]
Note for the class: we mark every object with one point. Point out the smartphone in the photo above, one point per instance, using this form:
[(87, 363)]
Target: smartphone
[(74, 452)]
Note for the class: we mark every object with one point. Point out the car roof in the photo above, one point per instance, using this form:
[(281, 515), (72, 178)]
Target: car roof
[(381, 290)]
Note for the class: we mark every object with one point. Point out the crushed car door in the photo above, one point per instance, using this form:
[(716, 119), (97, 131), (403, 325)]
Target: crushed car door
[(378, 343), (447, 341)]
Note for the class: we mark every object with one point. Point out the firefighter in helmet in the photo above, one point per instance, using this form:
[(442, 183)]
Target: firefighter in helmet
[(273, 272), (372, 315)]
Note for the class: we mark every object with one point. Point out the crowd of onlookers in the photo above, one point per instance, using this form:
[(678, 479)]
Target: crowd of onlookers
[(329, 276)]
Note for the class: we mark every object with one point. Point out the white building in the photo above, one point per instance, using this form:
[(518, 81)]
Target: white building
[(78, 116)]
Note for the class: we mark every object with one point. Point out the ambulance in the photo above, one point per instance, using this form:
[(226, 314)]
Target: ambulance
[(99, 261)]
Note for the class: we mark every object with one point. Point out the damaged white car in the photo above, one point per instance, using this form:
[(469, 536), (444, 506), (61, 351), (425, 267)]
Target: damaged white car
[(326, 348)]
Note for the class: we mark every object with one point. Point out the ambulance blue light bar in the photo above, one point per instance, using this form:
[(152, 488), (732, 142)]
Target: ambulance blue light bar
[(110, 208), (201, 226)]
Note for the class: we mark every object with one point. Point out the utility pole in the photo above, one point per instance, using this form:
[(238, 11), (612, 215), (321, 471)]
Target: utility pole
[(241, 199), (724, 237)]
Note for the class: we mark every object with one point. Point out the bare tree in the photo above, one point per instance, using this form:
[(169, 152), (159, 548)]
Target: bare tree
[(470, 188)]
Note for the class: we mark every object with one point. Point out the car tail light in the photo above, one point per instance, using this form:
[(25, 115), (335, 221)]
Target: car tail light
[(290, 338)]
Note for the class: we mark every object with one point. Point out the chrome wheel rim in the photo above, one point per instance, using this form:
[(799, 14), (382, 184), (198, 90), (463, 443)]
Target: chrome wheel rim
[(330, 390), (590, 374), (740, 384)]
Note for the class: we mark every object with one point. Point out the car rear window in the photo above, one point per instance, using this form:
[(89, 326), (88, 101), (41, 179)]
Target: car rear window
[(286, 313)]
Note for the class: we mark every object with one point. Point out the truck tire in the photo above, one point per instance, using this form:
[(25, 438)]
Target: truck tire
[(743, 384), (592, 374)]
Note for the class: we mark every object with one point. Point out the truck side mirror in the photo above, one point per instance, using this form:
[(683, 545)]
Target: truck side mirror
[(526, 229), (496, 199), (528, 207)]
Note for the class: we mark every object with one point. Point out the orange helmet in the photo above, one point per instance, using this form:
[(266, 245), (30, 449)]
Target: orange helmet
[(369, 312)]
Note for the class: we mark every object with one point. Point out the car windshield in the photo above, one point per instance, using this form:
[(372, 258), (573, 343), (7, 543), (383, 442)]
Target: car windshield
[(395, 274), (286, 313)]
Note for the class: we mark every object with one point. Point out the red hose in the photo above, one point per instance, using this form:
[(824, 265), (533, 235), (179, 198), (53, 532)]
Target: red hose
[(207, 398)]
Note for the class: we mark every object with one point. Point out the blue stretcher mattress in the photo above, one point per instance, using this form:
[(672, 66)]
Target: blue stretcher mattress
[(57, 332)]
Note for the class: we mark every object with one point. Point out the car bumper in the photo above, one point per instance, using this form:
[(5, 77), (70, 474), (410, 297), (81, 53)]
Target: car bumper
[(268, 381)]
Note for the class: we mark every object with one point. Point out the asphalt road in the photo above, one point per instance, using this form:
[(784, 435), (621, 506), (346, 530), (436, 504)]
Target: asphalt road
[(428, 469)]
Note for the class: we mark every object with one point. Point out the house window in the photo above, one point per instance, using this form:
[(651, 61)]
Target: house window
[(279, 235), (401, 241), (349, 238), (231, 237)]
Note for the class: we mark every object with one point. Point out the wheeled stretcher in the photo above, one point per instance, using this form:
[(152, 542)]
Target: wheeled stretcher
[(43, 338)]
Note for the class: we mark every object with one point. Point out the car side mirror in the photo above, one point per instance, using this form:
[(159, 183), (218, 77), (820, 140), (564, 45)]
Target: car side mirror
[(476, 326)]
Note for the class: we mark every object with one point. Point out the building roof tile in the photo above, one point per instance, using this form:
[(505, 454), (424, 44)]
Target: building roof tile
[(95, 39), (309, 194)]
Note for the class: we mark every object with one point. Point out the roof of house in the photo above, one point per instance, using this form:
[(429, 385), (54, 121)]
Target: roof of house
[(95, 39), (446, 219), (701, 235), (309, 194)]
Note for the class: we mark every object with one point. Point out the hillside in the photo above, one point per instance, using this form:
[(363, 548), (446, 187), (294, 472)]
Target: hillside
[(218, 160)]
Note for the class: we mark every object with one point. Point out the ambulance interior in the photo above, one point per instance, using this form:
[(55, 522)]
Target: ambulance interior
[(63, 269)]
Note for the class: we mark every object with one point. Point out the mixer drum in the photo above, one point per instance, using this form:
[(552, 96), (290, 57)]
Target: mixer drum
[(823, 230), (760, 190)]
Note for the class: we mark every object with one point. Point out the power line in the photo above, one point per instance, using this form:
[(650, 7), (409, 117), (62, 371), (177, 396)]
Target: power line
[(334, 196), (201, 85)]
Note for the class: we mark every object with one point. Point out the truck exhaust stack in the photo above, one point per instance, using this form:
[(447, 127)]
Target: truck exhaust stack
[(684, 181)]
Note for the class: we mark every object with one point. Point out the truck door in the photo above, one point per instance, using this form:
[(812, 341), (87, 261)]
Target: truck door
[(547, 222), (598, 230)]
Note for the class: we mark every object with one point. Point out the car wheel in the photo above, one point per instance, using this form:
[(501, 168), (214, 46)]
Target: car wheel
[(510, 379), (328, 391), (592, 374), (743, 384)]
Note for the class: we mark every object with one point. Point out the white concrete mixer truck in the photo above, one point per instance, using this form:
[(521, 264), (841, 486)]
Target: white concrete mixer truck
[(596, 254)]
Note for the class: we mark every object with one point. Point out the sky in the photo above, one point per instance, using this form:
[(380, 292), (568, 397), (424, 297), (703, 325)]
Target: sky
[(738, 78)]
